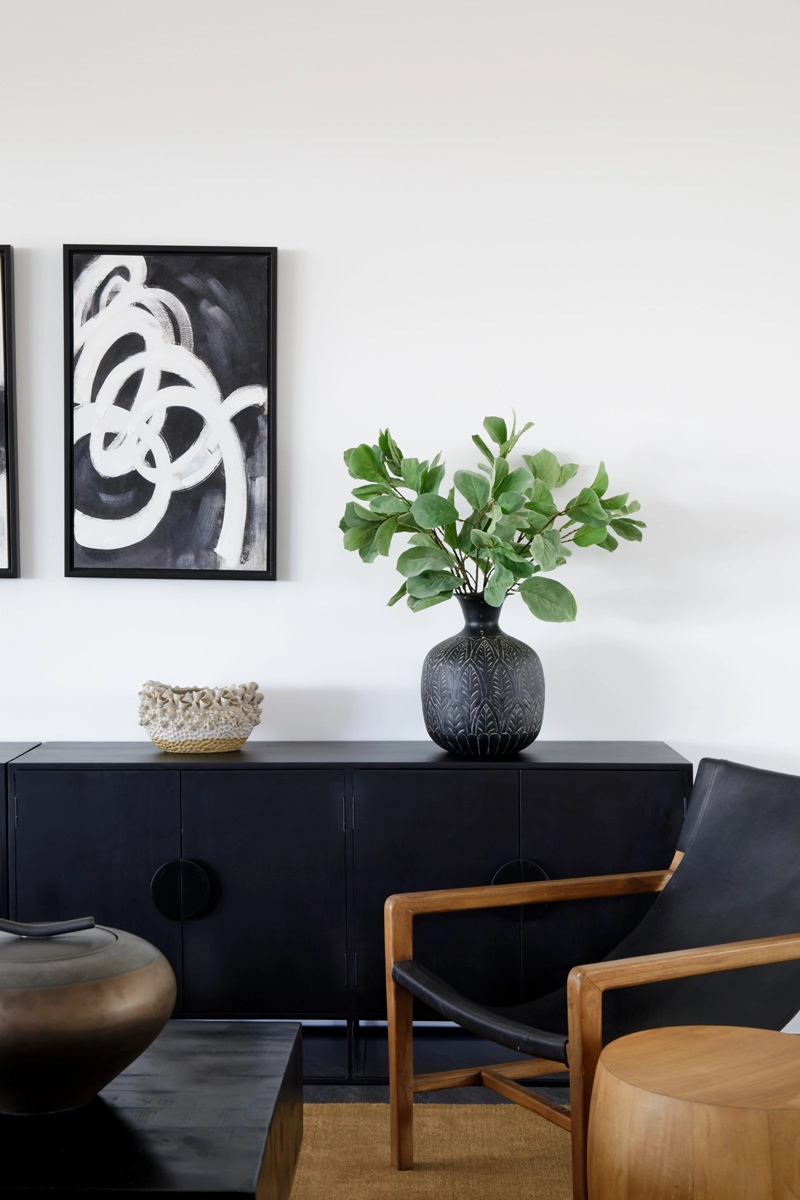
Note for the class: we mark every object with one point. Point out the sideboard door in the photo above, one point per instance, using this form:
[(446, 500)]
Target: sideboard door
[(87, 843), (424, 829), (593, 822), (272, 941)]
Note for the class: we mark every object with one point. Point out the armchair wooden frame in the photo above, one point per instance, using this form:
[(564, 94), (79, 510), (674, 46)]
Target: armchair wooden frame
[(585, 988)]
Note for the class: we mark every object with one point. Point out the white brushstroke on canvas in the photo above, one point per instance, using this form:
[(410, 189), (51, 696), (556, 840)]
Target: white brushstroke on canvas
[(126, 305)]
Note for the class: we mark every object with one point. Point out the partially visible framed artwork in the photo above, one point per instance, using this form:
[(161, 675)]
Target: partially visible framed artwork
[(170, 423), (9, 557)]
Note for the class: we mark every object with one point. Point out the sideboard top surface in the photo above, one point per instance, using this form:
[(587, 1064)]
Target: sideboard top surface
[(11, 750), (619, 755)]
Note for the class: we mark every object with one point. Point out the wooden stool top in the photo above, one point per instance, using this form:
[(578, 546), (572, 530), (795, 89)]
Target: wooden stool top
[(720, 1065)]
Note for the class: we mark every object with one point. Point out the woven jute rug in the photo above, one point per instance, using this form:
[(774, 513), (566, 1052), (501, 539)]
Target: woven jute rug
[(461, 1152)]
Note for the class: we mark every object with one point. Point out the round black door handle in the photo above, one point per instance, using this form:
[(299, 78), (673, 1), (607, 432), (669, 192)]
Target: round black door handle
[(521, 870), (180, 889)]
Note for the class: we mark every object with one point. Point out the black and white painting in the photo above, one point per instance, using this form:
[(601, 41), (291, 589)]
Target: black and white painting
[(170, 360), (8, 486)]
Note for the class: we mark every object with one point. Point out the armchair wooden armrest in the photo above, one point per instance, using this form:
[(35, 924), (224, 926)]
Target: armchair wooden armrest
[(400, 909), (586, 984)]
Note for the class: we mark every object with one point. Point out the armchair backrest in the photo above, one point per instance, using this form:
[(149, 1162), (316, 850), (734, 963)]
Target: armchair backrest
[(739, 879)]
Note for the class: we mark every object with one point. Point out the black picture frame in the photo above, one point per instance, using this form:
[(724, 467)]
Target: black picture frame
[(9, 515), (170, 381)]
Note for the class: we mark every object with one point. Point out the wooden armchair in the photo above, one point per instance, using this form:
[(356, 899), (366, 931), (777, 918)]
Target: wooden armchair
[(729, 901)]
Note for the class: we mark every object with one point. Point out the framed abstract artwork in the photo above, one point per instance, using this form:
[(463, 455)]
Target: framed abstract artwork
[(9, 560), (170, 422)]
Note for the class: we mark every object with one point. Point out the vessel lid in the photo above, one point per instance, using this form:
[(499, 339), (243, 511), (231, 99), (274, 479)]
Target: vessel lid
[(86, 956)]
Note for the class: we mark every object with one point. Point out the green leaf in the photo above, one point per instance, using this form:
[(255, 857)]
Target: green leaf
[(541, 499), (548, 599), (450, 533), (634, 506), (473, 487), (388, 448), (423, 558), (519, 567), (430, 510), (499, 473), (512, 524), (544, 466), (358, 517), (544, 552), (415, 605), (509, 445), (479, 538), (496, 429), (368, 490), (408, 469), (554, 538), (406, 521), (566, 472), (495, 513), (511, 555), (600, 485), (389, 505), (369, 552), (355, 538), (613, 503), (587, 509), (431, 583), (433, 478), (590, 535), (629, 530), (514, 481), (363, 463), (384, 535), (609, 544), (484, 449), (511, 501), (538, 521), (496, 589), (395, 453), (465, 536), (401, 591)]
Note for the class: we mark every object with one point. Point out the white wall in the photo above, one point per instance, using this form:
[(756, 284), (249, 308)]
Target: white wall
[(585, 210)]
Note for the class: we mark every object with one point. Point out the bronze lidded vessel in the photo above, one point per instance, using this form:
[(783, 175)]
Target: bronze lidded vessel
[(78, 1003)]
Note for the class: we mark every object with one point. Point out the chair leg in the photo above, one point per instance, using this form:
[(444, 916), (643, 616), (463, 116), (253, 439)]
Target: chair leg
[(579, 1136), (584, 1052), (401, 1076)]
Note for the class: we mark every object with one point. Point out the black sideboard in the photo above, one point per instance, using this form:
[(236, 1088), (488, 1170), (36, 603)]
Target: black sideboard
[(277, 860), (8, 752)]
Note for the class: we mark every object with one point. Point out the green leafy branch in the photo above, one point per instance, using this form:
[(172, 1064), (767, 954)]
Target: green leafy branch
[(515, 534)]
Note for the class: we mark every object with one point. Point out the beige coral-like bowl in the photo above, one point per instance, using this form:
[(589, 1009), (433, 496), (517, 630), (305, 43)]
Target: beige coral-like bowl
[(199, 720)]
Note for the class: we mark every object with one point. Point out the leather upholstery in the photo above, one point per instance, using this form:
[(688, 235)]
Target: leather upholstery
[(739, 879)]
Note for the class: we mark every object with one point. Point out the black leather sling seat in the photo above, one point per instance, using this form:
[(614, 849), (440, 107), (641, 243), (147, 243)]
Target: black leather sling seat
[(739, 879), (498, 1025)]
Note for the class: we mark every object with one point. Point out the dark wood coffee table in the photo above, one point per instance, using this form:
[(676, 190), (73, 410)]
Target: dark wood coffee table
[(212, 1109)]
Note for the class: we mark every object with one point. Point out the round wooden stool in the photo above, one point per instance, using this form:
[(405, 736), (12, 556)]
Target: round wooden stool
[(696, 1111)]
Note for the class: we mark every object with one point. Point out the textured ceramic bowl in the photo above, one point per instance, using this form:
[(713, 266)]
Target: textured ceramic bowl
[(199, 720)]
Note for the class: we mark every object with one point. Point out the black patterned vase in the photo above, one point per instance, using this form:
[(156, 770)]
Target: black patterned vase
[(482, 690)]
